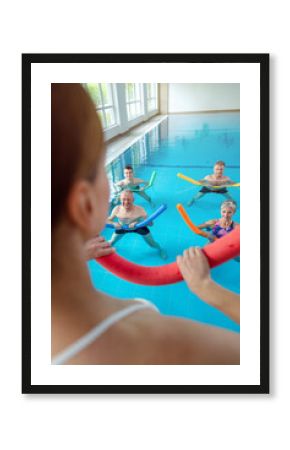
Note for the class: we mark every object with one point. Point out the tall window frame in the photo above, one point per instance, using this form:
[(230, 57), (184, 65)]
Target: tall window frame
[(134, 100), (152, 96), (104, 98)]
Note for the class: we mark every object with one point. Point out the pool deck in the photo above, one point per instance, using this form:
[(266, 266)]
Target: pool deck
[(117, 146)]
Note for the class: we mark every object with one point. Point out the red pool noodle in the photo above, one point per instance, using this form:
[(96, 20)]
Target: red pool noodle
[(218, 252)]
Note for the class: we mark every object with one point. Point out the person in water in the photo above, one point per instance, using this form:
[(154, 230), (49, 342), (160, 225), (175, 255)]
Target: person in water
[(217, 228), (89, 326), (216, 179), (220, 227), (129, 214), (130, 182)]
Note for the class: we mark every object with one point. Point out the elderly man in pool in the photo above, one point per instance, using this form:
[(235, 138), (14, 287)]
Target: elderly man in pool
[(129, 214), (216, 179)]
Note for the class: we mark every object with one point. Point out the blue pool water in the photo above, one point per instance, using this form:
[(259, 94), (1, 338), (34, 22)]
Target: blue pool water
[(189, 144)]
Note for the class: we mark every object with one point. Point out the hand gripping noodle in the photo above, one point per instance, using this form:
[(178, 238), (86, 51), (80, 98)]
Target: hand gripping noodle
[(150, 184), (197, 183), (218, 252), (144, 222)]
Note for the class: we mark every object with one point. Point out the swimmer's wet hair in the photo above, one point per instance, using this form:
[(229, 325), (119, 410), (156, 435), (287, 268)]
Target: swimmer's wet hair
[(127, 191), (128, 167), (229, 204), (220, 163)]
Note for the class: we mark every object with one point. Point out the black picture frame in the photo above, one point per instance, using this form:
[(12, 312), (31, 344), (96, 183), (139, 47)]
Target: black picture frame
[(263, 61)]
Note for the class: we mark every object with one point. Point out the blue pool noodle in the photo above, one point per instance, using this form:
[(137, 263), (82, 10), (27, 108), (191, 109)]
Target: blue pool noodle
[(144, 222)]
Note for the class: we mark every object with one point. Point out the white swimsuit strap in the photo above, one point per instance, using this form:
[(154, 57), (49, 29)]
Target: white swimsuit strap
[(98, 330)]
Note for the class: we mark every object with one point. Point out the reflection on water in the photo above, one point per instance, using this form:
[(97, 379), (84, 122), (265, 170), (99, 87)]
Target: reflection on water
[(183, 141), (139, 154)]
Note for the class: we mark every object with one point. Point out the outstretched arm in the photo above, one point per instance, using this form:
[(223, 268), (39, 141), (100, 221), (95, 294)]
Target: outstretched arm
[(118, 187), (207, 224), (204, 181), (111, 218), (195, 270), (229, 182), (139, 181)]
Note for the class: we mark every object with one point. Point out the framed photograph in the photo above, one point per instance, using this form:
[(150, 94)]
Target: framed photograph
[(145, 223)]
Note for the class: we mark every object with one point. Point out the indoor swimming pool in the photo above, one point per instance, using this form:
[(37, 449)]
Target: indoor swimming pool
[(189, 144)]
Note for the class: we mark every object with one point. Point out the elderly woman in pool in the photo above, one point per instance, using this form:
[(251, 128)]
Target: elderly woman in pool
[(218, 228), (127, 331)]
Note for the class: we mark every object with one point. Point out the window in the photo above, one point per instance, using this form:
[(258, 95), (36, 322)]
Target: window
[(151, 96), (102, 95), (134, 100)]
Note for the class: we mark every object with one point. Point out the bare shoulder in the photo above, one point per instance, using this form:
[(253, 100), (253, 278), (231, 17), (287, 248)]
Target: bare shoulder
[(155, 339), (147, 337), (115, 211), (140, 210), (211, 222), (188, 342)]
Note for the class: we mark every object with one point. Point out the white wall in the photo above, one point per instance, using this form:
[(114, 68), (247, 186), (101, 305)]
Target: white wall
[(183, 97)]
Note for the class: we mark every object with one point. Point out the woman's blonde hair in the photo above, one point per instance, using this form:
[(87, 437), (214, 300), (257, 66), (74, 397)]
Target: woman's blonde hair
[(229, 204)]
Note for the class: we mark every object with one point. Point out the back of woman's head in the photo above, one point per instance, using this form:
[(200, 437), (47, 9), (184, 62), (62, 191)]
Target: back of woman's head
[(76, 142)]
